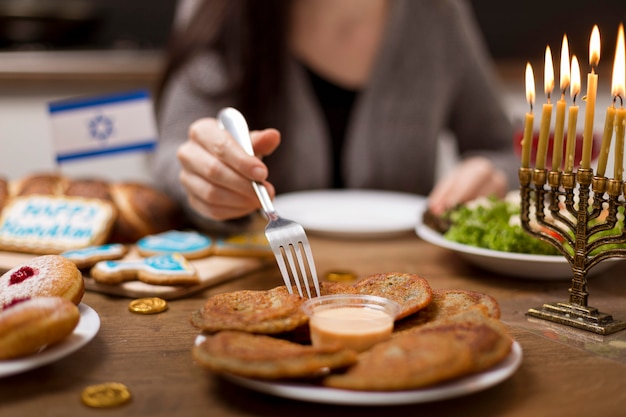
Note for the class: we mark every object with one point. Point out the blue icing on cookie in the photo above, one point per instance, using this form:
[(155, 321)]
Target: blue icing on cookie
[(109, 248), (172, 262), (62, 221), (174, 241)]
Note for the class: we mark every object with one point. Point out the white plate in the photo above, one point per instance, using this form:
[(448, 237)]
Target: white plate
[(456, 388), (352, 213), (85, 330), (520, 265)]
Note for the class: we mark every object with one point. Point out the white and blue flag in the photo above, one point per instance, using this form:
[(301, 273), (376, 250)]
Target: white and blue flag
[(102, 125)]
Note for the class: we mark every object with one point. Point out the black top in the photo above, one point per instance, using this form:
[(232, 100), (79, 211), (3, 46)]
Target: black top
[(336, 103)]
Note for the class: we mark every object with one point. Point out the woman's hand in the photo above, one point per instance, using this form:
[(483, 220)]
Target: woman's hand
[(216, 171), (472, 178)]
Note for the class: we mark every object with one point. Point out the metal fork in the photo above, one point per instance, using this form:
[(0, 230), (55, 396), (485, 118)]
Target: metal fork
[(286, 237)]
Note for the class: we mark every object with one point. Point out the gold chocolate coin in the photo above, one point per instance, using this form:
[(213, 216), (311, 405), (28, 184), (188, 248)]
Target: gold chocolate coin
[(341, 276), (149, 305), (109, 394)]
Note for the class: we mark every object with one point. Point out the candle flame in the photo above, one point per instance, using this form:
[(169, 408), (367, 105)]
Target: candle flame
[(565, 75), (530, 85), (594, 47), (548, 73), (619, 72), (575, 85)]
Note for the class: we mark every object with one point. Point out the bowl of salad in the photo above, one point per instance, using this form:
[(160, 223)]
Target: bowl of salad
[(487, 232)]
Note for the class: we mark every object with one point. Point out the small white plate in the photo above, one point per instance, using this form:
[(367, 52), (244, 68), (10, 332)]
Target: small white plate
[(520, 265), (456, 388), (352, 213), (85, 330)]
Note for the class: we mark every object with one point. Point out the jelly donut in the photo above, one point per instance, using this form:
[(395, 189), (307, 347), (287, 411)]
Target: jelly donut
[(31, 325), (42, 276)]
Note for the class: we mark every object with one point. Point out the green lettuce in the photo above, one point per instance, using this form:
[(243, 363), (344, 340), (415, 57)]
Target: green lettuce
[(494, 225)]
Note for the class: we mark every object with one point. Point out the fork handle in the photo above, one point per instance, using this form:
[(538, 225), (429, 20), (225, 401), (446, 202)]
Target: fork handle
[(233, 121)]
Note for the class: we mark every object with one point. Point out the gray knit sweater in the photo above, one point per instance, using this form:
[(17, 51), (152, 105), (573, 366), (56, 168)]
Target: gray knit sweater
[(432, 74)]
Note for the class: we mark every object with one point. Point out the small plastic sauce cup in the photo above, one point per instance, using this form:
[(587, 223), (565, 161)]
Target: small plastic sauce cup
[(352, 321)]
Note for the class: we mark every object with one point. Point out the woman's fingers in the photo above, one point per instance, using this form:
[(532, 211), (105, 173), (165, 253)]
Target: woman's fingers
[(217, 173), (220, 144), (474, 177)]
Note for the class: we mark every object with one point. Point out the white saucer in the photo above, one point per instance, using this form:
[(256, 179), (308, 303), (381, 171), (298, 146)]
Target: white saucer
[(352, 213), (85, 330)]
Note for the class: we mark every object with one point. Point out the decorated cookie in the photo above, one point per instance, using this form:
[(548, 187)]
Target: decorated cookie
[(89, 256), (54, 224), (168, 269), (245, 244), (192, 245)]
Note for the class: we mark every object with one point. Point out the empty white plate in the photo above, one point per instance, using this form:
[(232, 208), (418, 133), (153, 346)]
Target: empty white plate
[(352, 213)]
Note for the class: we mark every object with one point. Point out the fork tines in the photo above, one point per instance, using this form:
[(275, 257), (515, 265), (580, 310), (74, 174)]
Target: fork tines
[(300, 273)]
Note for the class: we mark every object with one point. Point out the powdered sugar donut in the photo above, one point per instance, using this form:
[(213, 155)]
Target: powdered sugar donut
[(42, 276), (31, 325)]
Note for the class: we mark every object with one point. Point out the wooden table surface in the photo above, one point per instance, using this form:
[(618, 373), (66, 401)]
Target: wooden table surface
[(564, 372)]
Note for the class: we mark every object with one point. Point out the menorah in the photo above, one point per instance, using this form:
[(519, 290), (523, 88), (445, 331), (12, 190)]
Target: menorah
[(584, 211)]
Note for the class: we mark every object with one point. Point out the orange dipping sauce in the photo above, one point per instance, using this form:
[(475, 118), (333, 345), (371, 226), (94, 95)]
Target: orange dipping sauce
[(353, 321)]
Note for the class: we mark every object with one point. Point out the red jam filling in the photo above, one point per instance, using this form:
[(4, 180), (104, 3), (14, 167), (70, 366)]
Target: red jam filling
[(21, 274), (14, 302)]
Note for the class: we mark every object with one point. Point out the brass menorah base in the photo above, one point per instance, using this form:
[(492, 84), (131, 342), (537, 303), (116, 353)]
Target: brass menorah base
[(585, 318), (578, 230)]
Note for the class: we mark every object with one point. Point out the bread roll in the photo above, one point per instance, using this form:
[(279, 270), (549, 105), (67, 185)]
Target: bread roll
[(89, 188), (43, 183), (142, 210)]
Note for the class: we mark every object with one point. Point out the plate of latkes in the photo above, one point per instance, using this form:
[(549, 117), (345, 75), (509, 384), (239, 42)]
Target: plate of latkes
[(310, 392), (85, 330)]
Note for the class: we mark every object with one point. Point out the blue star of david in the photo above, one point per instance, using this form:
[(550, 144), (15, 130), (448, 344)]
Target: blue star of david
[(100, 127)]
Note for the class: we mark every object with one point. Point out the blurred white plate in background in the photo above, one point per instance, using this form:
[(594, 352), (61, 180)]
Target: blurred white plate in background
[(352, 213)]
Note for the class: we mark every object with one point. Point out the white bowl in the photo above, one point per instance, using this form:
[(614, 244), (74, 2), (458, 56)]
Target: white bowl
[(353, 321), (519, 265)]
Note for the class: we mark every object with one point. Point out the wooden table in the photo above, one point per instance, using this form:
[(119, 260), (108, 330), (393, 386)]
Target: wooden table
[(564, 372)]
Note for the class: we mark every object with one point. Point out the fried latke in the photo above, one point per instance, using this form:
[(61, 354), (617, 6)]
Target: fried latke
[(260, 356), (411, 291), (448, 303), (436, 352), (267, 312)]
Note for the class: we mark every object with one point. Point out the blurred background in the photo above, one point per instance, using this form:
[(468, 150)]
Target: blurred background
[(55, 49)]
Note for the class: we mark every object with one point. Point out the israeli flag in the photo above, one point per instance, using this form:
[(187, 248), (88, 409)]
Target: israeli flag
[(103, 125)]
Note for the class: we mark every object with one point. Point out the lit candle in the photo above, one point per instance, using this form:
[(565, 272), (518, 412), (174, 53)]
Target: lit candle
[(546, 113), (619, 143), (609, 121), (530, 118), (607, 136), (557, 147), (592, 88), (619, 75), (570, 147)]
